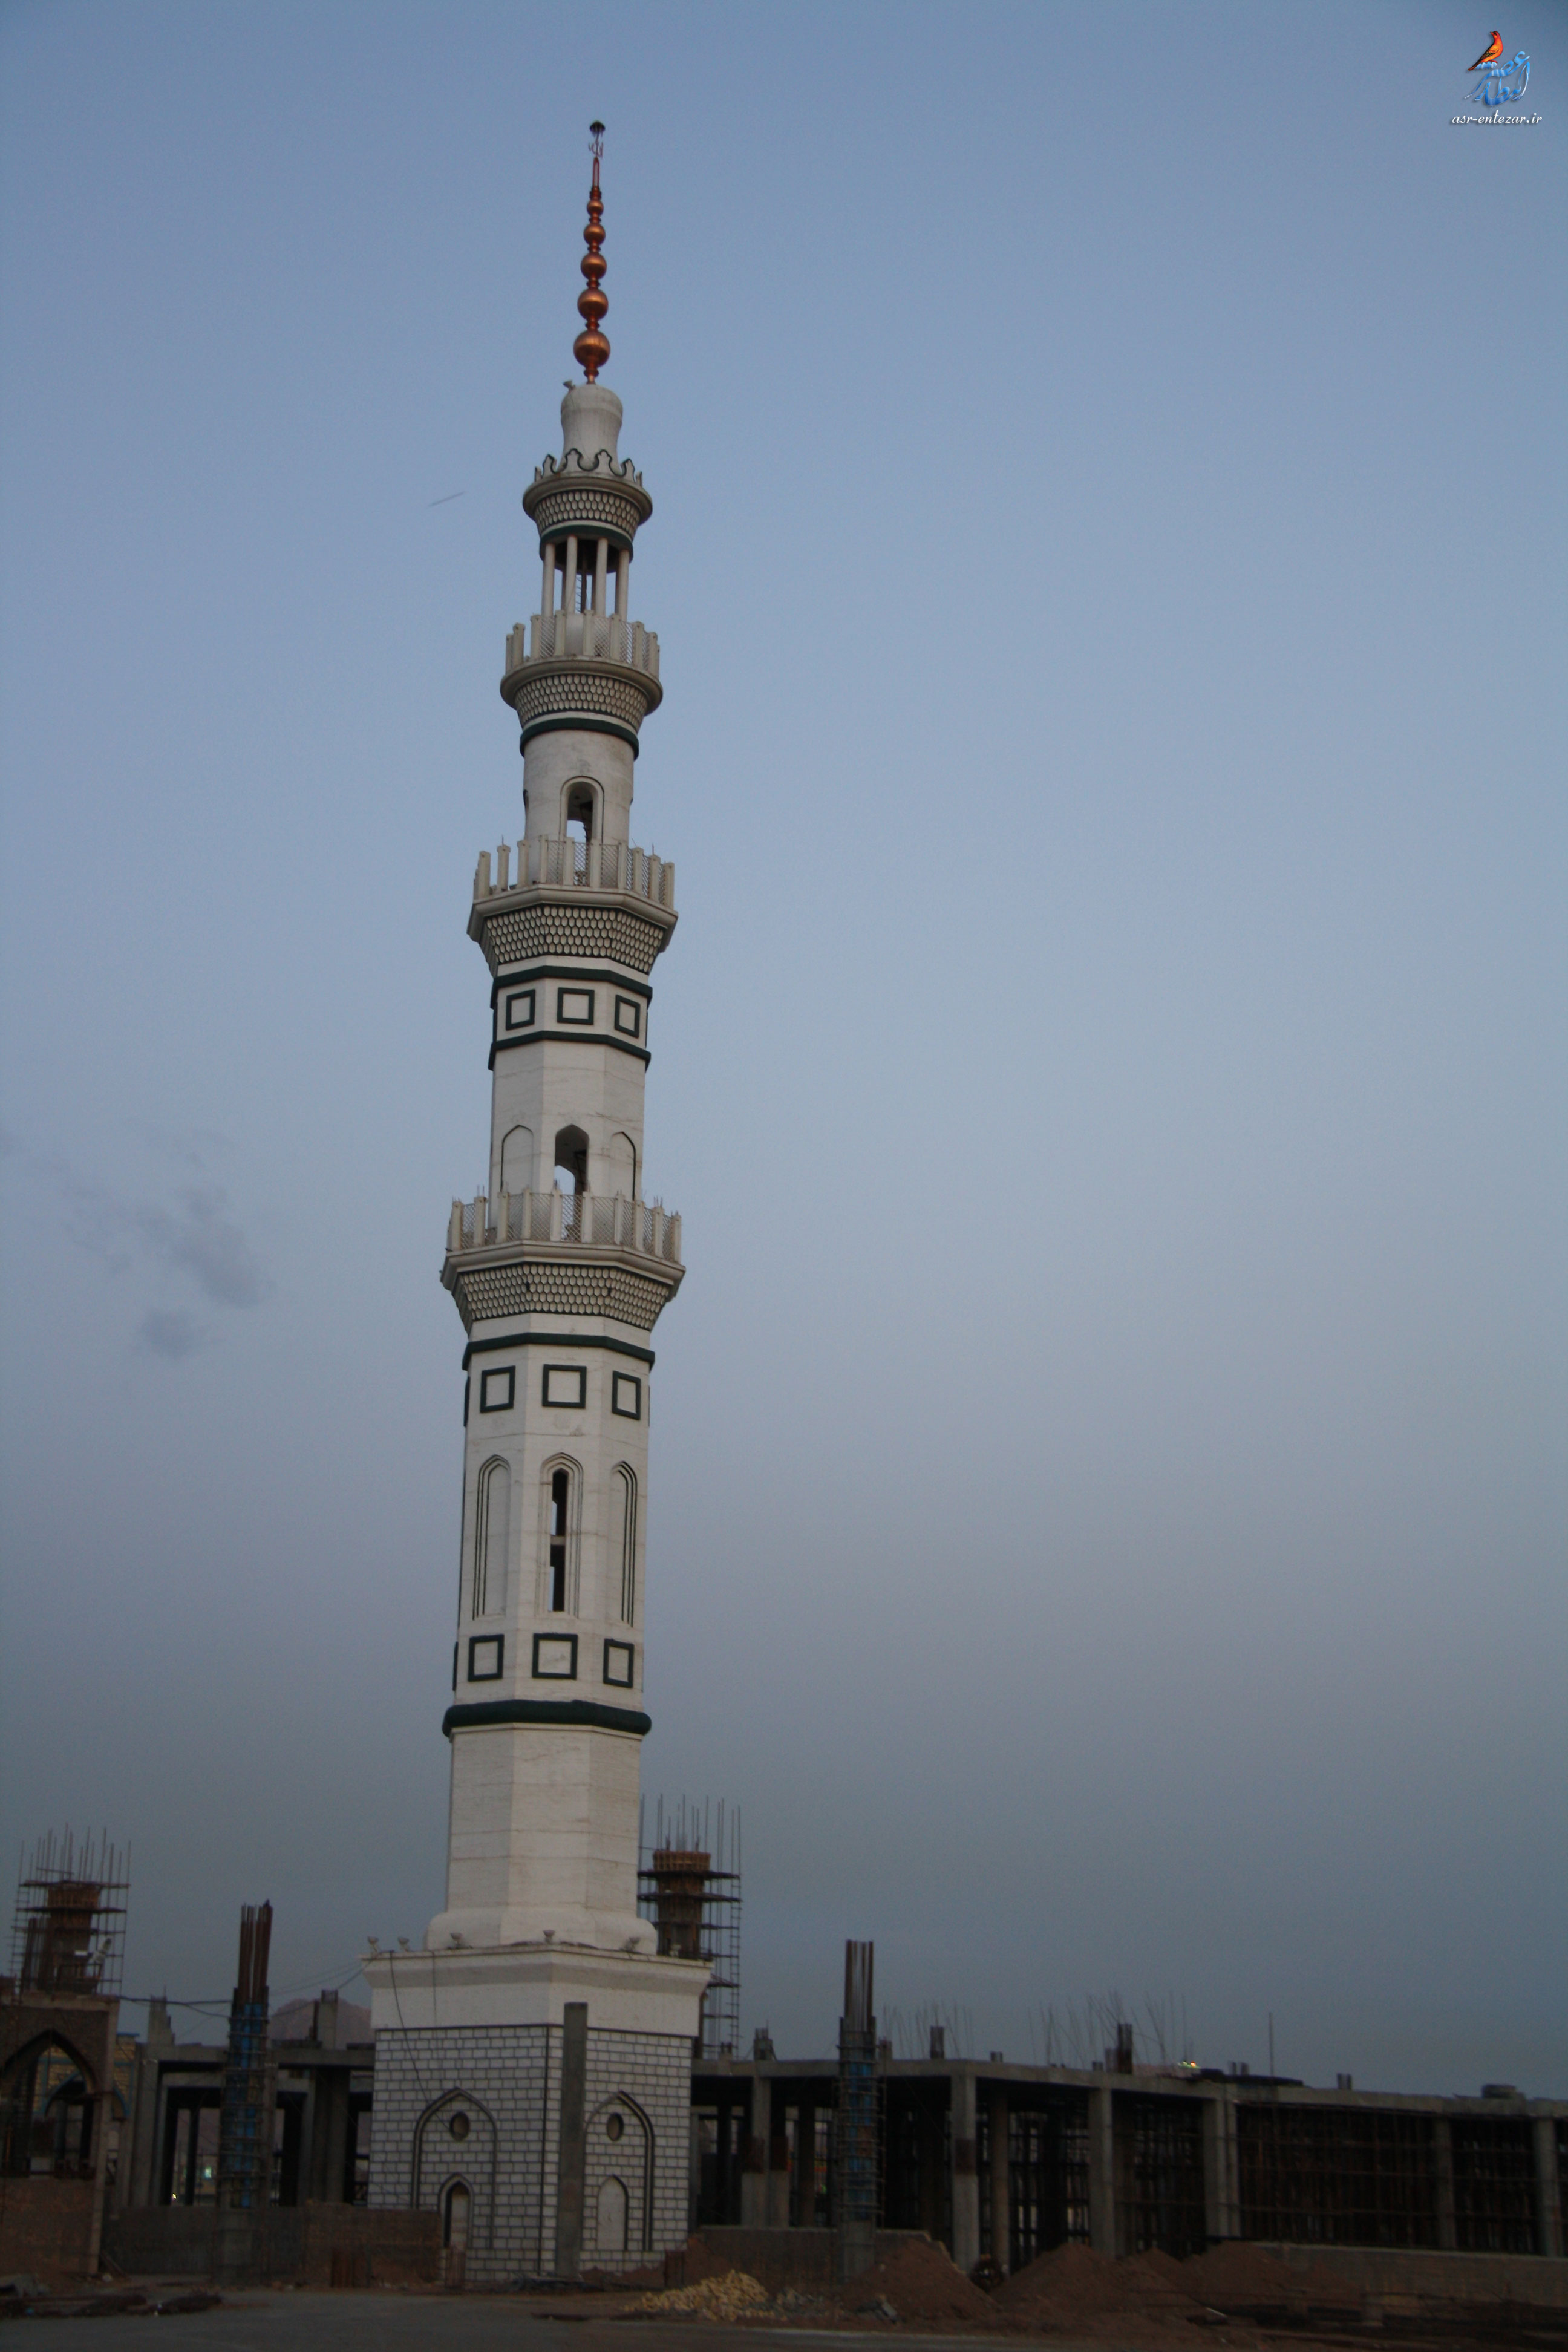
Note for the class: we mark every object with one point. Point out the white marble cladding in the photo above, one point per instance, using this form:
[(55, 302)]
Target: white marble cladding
[(505, 2080), (583, 636), (576, 865), (592, 1220)]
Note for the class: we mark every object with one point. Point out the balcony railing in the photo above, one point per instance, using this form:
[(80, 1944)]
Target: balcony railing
[(577, 865), (592, 1220), (583, 636)]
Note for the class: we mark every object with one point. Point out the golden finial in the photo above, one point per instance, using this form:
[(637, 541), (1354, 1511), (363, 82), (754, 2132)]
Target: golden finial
[(592, 348)]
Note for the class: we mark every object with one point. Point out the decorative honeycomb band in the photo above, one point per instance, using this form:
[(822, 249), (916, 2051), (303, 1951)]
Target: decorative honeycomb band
[(608, 934), (534, 1289), (574, 686), (587, 512)]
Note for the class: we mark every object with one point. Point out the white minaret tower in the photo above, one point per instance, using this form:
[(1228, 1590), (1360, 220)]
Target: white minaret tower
[(532, 2061)]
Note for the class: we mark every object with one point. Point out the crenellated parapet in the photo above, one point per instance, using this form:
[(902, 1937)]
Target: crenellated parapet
[(604, 899), (562, 1254), (600, 496)]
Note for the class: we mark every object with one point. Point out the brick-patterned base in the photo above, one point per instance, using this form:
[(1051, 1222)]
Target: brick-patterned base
[(503, 2085)]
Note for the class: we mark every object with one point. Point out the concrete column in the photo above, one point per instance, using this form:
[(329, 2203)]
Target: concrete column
[(1222, 2217), (1548, 2192), (547, 586), (1000, 2246), (965, 2180), (569, 584), (1101, 2171), (754, 2164), (329, 2134), (805, 2214), (778, 2171), (623, 581), (102, 2113), (571, 2151), (1442, 2170), (601, 566)]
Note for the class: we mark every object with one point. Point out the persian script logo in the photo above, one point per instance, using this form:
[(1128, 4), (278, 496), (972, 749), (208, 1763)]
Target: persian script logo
[(1500, 84)]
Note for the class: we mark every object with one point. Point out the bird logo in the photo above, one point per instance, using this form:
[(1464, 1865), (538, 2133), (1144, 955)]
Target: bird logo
[(1488, 56)]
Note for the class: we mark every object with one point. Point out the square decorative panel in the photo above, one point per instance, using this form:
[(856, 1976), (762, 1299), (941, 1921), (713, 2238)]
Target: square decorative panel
[(486, 1652), (565, 1384), (625, 1395), (556, 1657), (498, 1390), (620, 1658), (574, 1007), (628, 1016), (519, 1009)]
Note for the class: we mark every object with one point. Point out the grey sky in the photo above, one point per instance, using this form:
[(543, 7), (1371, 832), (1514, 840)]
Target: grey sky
[(1108, 1482)]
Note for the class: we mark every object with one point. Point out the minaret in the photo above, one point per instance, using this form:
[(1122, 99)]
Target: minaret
[(559, 1271)]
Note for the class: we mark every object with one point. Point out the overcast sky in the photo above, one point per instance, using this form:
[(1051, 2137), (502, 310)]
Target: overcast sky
[(1107, 1516)]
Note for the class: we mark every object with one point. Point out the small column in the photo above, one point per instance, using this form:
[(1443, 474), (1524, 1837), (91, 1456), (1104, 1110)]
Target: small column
[(754, 2164), (623, 581), (547, 590), (601, 565), (1548, 2191), (965, 2181), (1102, 2170), (1000, 2246), (569, 584)]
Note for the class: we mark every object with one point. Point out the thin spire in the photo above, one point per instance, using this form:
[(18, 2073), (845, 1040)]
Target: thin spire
[(592, 348)]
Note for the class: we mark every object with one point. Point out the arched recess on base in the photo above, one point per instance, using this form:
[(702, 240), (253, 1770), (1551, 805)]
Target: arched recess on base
[(620, 2149), (455, 2144)]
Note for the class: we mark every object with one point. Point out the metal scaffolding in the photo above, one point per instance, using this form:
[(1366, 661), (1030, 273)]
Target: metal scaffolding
[(857, 2153), (688, 1885), (68, 1931), (245, 2128)]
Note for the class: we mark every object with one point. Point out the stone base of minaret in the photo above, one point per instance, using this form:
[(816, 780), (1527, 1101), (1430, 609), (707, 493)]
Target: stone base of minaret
[(539, 2099)]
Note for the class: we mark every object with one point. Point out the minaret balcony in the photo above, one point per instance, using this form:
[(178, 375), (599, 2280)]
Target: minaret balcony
[(593, 669), (604, 899), (562, 1254)]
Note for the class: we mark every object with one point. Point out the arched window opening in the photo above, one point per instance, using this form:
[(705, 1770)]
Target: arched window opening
[(580, 800), (629, 1480), (491, 1527), (560, 1534), (571, 1160)]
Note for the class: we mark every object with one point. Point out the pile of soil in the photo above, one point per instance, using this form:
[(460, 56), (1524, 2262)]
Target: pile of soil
[(1072, 2290), (922, 2285), (1239, 2277)]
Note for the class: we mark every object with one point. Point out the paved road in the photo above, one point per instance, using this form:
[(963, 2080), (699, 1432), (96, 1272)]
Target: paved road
[(256, 2322)]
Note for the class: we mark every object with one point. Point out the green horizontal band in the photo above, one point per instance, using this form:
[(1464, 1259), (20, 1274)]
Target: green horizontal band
[(573, 1714), (587, 723), (584, 1037), (556, 1339)]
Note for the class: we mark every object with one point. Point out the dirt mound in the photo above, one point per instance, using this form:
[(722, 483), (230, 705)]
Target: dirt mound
[(1073, 2283), (921, 2284), (1144, 2300), (1244, 2278)]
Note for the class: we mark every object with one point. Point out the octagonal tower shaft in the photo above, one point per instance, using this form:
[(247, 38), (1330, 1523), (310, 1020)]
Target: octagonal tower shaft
[(561, 1268)]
